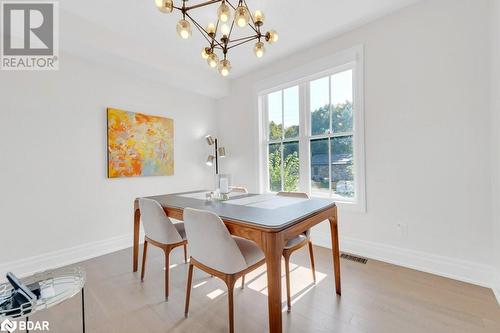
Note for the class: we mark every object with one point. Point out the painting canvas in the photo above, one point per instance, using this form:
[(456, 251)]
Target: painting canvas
[(139, 145)]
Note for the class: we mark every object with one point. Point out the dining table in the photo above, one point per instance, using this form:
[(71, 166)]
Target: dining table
[(267, 219)]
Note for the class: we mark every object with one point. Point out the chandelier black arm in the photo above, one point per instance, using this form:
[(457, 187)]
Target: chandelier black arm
[(253, 28), (203, 31), (231, 5), (203, 4), (251, 17), (246, 41), (214, 35), (252, 37), (230, 31)]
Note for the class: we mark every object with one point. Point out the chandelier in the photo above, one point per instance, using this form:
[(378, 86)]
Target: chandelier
[(218, 34)]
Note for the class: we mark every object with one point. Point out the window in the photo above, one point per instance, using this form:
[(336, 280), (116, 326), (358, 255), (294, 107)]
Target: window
[(331, 139), (313, 138), (283, 139)]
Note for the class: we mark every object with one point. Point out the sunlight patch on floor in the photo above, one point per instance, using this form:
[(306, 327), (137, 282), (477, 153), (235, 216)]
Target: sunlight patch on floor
[(199, 284), (301, 281), (214, 294)]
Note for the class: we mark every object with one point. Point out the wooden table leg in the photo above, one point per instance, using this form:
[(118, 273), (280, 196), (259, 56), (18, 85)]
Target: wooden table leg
[(137, 221), (273, 249), (335, 250)]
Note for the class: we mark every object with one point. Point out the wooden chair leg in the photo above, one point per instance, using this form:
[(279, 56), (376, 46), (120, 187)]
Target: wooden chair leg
[(243, 282), (185, 254), (287, 269), (230, 294), (188, 290), (311, 255), (167, 271), (144, 253)]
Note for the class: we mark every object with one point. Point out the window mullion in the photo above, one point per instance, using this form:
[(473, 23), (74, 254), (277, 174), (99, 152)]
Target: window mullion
[(329, 135), (330, 166), (282, 171), (266, 146), (304, 151), (330, 106)]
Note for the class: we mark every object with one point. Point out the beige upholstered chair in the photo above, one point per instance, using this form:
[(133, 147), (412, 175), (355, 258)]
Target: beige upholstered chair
[(160, 232), (293, 245), (238, 189), (216, 252)]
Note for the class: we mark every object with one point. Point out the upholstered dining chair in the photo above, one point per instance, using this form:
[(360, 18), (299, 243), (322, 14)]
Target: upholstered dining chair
[(161, 232), (216, 252), (238, 189), (295, 244)]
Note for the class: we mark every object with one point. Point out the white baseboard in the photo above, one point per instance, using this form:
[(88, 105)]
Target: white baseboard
[(496, 287), (66, 256), (444, 266), (452, 268)]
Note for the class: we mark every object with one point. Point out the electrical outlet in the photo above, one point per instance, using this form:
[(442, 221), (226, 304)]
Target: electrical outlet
[(402, 229)]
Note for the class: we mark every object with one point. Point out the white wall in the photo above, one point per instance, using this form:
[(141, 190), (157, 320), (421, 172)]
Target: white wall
[(495, 130), (427, 137), (54, 194)]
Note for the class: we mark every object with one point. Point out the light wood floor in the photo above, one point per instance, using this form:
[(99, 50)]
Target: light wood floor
[(377, 297)]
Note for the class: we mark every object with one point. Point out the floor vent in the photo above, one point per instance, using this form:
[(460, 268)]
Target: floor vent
[(354, 258)]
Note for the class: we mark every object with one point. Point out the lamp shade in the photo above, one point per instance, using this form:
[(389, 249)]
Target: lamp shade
[(210, 160), (222, 152), (210, 140)]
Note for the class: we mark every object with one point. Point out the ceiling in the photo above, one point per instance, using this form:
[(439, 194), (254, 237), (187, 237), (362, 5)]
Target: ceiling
[(133, 34)]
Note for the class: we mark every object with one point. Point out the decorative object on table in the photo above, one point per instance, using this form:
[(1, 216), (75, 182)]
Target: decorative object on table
[(54, 287), (217, 195), (226, 33), (223, 183), (139, 145), (218, 152)]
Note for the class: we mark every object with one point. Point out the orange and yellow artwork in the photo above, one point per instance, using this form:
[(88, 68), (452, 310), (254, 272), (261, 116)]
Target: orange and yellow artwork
[(139, 145)]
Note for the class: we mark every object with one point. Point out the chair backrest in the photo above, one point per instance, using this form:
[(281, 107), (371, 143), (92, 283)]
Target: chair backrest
[(296, 195), (293, 194), (239, 189), (210, 243), (157, 225)]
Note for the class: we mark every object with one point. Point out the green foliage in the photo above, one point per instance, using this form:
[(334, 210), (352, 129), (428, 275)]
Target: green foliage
[(320, 122), (275, 168), (290, 169), (275, 131), (341, 118), (292, 132)]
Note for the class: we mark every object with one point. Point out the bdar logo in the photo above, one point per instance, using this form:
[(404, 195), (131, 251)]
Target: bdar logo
[(8, 326)]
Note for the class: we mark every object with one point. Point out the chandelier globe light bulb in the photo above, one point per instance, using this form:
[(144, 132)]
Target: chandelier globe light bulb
[(184, 29), (165, 6)]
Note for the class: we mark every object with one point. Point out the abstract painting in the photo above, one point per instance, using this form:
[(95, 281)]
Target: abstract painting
[(139, 145)]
